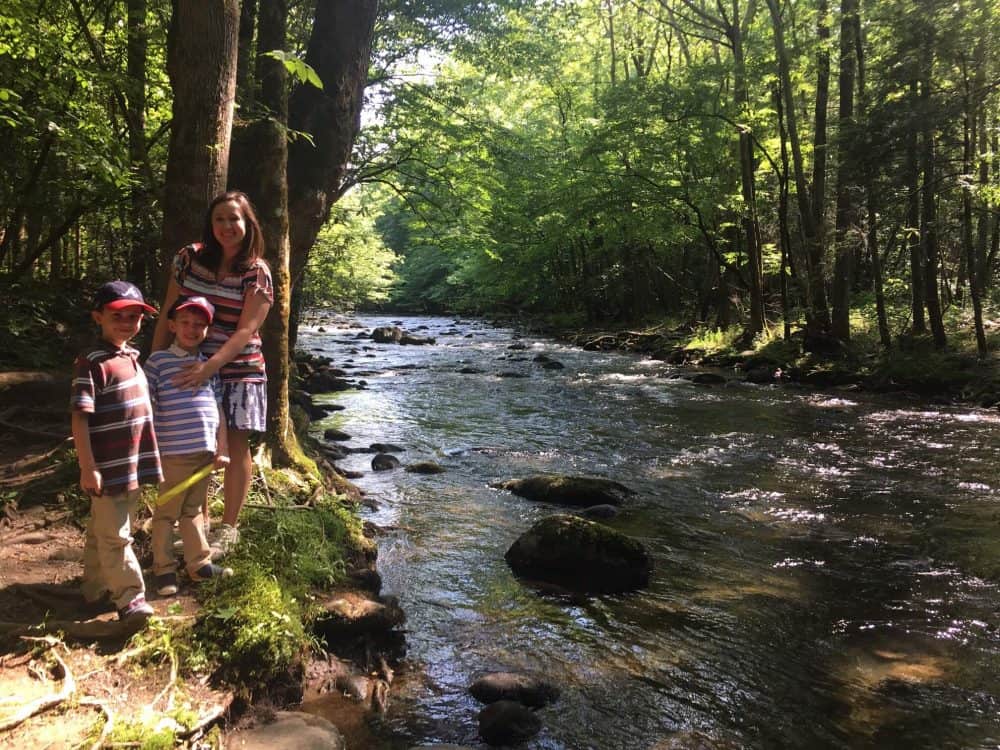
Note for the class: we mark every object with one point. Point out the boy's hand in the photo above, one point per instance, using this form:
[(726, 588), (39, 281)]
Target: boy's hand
[(91, 481), (221, 461)]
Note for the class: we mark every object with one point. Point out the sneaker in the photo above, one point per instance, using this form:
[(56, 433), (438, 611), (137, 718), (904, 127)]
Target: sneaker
[(227, 537), (211, 570), (166, 584), (137, 609)]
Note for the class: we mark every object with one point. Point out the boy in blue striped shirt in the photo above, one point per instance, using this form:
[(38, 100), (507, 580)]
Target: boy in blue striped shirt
[(191, 435)]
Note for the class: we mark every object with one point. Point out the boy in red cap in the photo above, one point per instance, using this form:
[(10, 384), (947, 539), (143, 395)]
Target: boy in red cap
[(192, 434), (116, 447)]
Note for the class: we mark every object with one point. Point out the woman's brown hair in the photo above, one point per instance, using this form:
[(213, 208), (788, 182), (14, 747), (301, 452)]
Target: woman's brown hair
[(253, 241)]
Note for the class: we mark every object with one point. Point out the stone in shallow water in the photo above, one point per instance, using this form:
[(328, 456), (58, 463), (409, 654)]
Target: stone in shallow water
[(514, 686), (507, 723), (581, 492), (291, 730), (581, 555)]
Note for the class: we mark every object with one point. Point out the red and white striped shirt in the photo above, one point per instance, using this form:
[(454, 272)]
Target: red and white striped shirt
[(228, 296)]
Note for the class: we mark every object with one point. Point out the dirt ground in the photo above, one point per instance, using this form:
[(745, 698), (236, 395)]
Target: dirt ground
[(68, 677)]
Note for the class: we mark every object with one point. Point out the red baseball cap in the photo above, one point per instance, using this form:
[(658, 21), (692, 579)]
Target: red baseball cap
[(194, 301)]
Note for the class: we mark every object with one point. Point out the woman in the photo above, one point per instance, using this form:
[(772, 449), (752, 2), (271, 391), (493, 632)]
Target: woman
[(228, 268)]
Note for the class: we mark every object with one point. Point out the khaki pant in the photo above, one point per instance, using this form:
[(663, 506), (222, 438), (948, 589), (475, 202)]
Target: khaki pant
[(109, 562), (185, 510)]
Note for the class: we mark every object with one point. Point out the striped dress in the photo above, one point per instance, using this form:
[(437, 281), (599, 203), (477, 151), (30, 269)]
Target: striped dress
[(186, 421), (227, 295), (110, 387)]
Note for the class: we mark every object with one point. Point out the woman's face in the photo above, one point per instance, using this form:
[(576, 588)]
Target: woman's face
[(229, 227)]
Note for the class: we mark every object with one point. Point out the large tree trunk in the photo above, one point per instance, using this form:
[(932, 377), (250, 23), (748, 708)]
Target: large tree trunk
[(201, 63), (340, 53), (846, 174), (260, 161)]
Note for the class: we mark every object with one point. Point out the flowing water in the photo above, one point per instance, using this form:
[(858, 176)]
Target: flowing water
[(826, 565)]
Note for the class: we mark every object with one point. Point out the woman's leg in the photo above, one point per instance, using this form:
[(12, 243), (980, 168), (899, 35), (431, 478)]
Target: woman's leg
[(236, 484)]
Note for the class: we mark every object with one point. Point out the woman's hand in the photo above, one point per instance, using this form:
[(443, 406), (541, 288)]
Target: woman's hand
[(221, 461), (193, 375)]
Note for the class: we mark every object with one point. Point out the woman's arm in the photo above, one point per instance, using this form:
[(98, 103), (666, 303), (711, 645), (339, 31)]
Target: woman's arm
[(161, 334), (255, 309)]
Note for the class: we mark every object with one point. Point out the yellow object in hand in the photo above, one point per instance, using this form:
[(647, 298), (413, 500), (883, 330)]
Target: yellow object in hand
[(178, 488)]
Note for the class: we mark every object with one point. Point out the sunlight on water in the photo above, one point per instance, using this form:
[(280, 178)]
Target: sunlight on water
[(824, 566)]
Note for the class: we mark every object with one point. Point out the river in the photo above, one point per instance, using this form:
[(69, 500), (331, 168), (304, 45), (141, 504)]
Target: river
[(826, 563)]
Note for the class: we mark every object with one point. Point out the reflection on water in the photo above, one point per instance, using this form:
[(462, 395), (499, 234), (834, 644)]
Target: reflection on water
[(825, 566)]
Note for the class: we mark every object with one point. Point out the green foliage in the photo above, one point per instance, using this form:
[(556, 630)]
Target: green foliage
[(142, 736), (303, 548), (298, 68), (250, 627), (349, 265), (713, 339)]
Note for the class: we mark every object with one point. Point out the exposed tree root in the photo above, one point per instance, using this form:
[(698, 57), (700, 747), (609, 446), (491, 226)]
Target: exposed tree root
[(109, 720), (46, 701), (206, 720)]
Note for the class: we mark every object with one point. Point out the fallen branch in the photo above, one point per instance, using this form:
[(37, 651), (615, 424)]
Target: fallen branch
[(31, 462), (46, 701), (32, 430), (88, 630)]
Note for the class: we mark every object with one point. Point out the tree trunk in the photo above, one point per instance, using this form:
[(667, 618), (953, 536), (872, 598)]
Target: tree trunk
[(201, 63), (818, 315), (140, 208), (260, 151), (968, 152), (846, 173), (919, 326), (928, 212), (340, 53)]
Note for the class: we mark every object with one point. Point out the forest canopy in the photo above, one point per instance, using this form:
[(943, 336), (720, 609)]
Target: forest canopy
[(829, 169)]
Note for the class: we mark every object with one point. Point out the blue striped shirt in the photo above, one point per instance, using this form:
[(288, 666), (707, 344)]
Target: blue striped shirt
[(186, 421)]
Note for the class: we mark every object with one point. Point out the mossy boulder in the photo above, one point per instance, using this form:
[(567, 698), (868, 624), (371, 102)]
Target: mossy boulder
[(580, 492), (581, 555)]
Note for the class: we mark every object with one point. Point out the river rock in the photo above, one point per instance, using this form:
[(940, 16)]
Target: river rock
[(425, 467), (387, 334), (332, 433), (324, 381), (507, 723), (384, 462), (334, 452), (580, 492), (351, 613), (514, 686), (291, 730), (412, 340), (553, 364), (708, 378), (581, 555), (386, 448), (599, 512)]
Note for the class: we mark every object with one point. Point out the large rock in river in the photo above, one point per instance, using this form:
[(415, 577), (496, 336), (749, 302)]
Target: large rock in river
[(533, 692), (580, 492), (290, 730), (581, 555)]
